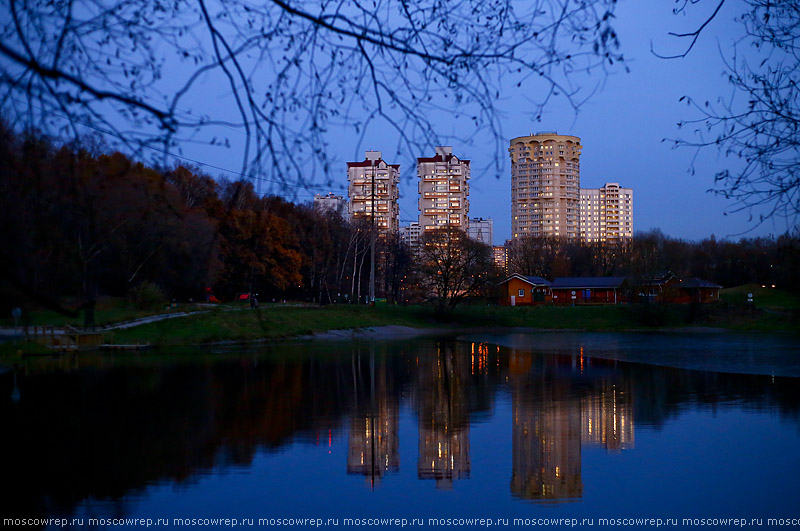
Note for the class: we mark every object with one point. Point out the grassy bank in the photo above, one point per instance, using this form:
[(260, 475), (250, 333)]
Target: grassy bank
[(282, 322), (269, 322), (285, 321), (108, 310), (764, 297)]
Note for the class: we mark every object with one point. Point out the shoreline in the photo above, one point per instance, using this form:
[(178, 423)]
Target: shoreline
[(720, 350), (398, 332)]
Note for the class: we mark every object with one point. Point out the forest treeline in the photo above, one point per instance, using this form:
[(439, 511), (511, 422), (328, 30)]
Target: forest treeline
[(79, 224)]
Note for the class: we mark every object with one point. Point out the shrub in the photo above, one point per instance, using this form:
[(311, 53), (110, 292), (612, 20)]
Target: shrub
[(147, 296)]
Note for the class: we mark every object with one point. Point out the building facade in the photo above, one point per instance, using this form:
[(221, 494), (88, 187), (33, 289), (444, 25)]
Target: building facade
[(481, 230), (373, 188), (443, 191), (500, 257), (606, 214), (410, 235), (330, 203), (545, 185)]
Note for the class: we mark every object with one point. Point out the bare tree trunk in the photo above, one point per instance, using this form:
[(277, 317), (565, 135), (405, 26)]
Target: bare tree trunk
[(353, 278)]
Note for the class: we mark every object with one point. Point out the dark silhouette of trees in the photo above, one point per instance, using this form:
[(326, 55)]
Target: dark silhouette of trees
[(85, 226), (395, 265), (138, 71), (453, 267), (758, 125), (649, 254)]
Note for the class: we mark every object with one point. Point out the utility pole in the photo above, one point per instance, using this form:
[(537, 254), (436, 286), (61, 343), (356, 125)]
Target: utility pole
[(372, 244)]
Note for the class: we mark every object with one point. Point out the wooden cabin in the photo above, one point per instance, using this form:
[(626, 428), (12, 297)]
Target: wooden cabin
[(588, 290), (697, 291), (521, 290)]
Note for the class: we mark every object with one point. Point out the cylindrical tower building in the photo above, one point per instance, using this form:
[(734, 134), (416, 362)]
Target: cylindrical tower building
[(545, 185)]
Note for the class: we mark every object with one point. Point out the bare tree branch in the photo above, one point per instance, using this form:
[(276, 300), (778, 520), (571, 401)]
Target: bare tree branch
[(291, 70), (758, 126)]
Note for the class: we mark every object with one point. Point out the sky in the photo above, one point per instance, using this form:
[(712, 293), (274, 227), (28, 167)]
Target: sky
[(622, 128)]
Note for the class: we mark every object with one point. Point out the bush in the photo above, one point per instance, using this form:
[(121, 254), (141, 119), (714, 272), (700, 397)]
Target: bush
[(147, 296)]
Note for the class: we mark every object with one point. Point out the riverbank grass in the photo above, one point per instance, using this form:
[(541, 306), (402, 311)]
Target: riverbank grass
[(109, 310), (269, 322), (276, 322), (764, 297)]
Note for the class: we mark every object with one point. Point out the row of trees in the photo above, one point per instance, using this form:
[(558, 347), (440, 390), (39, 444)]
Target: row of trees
[(81, 224), (726, 262)]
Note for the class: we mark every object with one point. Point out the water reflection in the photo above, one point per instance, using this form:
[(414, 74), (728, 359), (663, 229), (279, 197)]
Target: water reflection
[(373, 439), (546, 447), (556, 409), (442, 393), (103, 428)]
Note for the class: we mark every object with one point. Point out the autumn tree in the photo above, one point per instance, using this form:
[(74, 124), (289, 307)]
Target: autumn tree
[(92, 225), (258, 249)]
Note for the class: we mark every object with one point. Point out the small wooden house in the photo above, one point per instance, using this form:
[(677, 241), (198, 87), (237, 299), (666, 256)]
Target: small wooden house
[(658, 287), (696, 290), (521, 290), (585, 290)]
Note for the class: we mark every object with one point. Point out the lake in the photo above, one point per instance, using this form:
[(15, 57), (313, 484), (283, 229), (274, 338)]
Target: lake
[(541, 428)]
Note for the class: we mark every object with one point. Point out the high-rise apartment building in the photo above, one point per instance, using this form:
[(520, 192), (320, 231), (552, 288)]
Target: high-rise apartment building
[(373, 187), (443, 190), (410, 235), (330, 203), (500, 257), (545, 185), (481, 230), (606, 214)]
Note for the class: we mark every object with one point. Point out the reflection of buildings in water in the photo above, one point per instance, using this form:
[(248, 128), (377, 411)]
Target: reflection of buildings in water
[(546, 441), (443, 454), (443, 409), (373, 444), (607, 416), (373, 441), (484, 358), (550, 423)]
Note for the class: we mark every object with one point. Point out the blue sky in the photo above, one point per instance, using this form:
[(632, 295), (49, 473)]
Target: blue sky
[(622, 127)]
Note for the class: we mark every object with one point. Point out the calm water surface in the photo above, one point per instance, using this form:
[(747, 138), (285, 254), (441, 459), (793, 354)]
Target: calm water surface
[(417, 429)]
